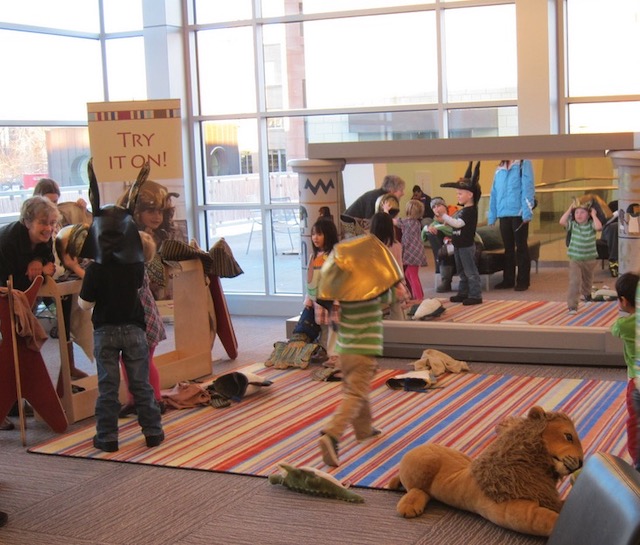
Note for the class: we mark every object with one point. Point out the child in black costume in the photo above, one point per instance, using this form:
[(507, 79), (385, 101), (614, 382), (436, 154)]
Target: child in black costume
[(464, 223), (110, 286)]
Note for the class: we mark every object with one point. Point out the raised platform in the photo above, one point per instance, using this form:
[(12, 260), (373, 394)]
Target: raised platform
[(513, 337)]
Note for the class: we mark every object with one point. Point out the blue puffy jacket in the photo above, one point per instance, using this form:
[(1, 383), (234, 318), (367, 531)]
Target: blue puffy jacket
[(512, 192)]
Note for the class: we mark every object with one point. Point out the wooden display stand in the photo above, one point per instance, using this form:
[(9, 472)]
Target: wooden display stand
[(23, 373), (191, 357), (81, 404)]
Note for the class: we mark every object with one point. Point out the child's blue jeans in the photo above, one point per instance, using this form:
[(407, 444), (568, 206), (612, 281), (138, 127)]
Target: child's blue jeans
[(130, 340)]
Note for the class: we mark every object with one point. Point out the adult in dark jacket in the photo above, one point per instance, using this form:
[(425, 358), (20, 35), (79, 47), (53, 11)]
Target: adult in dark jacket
[(364, 207), (26, 245), (26, 249)]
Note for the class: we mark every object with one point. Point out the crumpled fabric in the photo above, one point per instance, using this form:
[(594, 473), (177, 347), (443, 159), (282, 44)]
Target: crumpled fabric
[(27, 325), (439, 363), (186, 395)]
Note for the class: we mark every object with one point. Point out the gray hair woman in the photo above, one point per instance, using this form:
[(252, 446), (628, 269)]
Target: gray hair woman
[(26, 245)]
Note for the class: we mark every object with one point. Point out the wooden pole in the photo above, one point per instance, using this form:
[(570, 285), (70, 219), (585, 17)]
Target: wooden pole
[(16, 361)]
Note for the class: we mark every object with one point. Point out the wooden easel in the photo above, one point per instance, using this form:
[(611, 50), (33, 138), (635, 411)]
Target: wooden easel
[(23, 374)]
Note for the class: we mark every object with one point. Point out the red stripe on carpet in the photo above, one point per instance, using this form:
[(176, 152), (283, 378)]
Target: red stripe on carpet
[(281, 423), (541, 313)]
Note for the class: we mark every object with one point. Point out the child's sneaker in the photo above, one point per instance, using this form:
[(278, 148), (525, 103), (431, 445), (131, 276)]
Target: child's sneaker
[(329, 449), (375, 432), (573, 311), (333, 362)]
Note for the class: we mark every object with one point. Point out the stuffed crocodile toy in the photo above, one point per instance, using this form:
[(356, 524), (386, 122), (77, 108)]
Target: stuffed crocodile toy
[(314, 482)]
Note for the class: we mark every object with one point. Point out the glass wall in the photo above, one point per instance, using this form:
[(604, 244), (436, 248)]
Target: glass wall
[(266, 78), (266, 88), (56, 66), (603, 84)]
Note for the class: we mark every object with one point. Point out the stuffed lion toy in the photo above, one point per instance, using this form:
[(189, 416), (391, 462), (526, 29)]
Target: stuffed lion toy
[(513, 483)]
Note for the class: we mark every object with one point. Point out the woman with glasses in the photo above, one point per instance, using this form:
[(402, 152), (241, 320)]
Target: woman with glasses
[(26, 249), (26, 245)]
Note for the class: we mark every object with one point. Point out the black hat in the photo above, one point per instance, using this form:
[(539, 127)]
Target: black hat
[(469, 182), (113, 235)]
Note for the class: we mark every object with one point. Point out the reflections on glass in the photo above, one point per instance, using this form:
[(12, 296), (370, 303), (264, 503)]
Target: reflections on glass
[(207, 11), (481, 69), (479, 122), (46, 13), (596, 66), (44, 88), (231, 161), (604, 117), (272, 8), (126, 74), (285, 236), (60, 153), (242, 231), (226, 71), (327, 51), (122, 15), (372, 127)]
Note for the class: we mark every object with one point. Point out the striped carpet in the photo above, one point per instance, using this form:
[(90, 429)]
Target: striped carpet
[(282, 423), (539, 313)]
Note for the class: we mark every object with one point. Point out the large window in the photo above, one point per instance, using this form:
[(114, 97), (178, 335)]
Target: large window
[(266, 78), (603, 83), (226, 72), (36, 86), (266, 88), (365, 61), (482, 64), (52, 66)]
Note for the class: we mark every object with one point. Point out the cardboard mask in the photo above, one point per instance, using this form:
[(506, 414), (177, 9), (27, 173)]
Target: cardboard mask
[(113, 235)]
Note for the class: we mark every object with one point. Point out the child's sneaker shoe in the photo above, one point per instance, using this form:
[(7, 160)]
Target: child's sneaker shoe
[(375, 432), (154, 440), (106, 446), (329, 449), (573, 311)]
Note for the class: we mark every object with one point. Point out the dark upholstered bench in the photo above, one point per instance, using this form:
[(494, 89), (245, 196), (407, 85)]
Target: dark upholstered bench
[(492, 255)]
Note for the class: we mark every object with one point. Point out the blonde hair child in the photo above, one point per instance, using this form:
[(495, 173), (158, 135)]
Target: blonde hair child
[(413, 255)]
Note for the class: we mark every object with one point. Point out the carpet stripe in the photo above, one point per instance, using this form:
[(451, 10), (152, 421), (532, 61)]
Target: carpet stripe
[(540, 313), (282, 422)]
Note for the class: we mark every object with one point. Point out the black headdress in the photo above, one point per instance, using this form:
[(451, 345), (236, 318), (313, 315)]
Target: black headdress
[(469, 182), (113, 235)]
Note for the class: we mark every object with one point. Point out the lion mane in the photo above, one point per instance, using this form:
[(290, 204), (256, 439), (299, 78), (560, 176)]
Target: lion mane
[(512, 482), (528, 457)]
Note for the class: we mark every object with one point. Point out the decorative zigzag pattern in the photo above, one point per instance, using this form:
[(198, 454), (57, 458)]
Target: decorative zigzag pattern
[(320, 185)]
